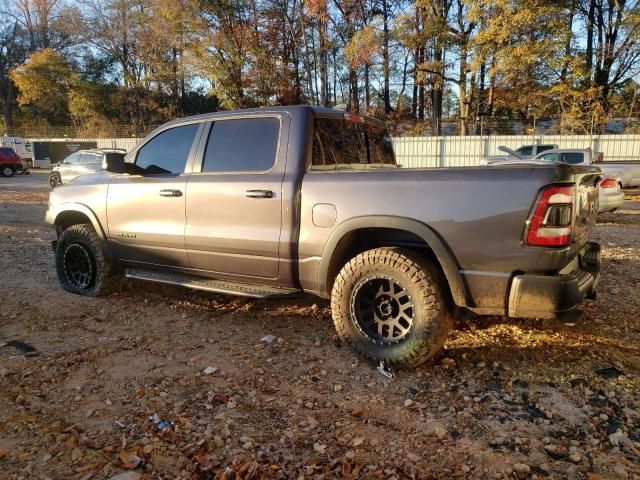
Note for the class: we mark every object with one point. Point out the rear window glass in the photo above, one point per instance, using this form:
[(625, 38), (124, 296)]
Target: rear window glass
[(338, 143), (526, 151)]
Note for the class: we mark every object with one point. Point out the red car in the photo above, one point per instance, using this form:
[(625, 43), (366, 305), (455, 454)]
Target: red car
[(11, 163)]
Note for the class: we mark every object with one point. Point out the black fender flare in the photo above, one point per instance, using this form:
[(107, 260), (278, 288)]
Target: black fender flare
[(447, 260), (72, 207)]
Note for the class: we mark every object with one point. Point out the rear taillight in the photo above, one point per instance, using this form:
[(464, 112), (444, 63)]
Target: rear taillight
[(608, 183), (353, 117), (551, 223), (600, 158)]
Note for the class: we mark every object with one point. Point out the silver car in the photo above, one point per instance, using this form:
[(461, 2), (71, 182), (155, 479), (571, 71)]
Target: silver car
[(80, 163), (610, 196)]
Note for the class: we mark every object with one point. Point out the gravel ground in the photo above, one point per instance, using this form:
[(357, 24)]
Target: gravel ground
[(119, 387)]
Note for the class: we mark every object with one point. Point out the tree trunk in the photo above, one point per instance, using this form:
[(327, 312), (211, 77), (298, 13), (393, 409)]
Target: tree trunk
[(367, 92), (8, 109), (567, 45), (590, 24), (322, 41), (354, 97), (386, 69), (436, 93)]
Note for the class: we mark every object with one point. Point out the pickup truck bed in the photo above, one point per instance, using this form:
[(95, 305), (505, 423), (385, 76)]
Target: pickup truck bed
[(480, 235), (291, 200)]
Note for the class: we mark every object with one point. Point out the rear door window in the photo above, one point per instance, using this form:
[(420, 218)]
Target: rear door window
[(339, 144), (242, 145), (167, 153)]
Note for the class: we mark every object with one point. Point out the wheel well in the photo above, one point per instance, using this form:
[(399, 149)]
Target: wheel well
[(66, 219), (361, 240)]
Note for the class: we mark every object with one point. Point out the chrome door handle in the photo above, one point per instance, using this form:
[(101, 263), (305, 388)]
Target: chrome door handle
[(170, 193), (260, 194)]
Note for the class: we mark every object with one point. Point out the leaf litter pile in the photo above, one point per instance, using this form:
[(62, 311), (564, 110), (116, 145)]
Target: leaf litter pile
[(160, 382)]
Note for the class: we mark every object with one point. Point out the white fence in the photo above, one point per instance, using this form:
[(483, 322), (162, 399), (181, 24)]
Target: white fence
[(414, 152)]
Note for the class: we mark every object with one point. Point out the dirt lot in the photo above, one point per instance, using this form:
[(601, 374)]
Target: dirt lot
[(116, 386)]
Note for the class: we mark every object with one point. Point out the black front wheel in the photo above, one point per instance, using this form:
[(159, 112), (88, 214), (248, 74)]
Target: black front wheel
[(81, 265)]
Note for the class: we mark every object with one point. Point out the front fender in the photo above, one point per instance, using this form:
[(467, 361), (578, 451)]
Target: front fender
[(75, 211), (442, 252)]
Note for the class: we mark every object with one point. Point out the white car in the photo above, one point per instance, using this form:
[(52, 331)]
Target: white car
[(610, 197), (627, 173), (81, 163)]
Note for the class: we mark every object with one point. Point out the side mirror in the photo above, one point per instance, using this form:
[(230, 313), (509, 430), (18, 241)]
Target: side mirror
[(114, 164)]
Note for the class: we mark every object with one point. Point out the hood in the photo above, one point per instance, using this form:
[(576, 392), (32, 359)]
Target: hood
[(91, 178)]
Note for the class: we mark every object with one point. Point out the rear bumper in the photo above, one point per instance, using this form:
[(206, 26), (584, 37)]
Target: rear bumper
[(610, 201), (556, 296), (24, 166)]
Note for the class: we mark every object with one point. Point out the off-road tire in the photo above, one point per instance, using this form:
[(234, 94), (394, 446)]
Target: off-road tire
[(7, 170), (104, 278), (432, 319)]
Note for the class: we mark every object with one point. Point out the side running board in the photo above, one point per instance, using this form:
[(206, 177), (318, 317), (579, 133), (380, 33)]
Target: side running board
[(209, 285)]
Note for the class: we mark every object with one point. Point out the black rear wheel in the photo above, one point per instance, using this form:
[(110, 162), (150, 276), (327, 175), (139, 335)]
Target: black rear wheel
[(390, 304), (7, 170), (81, 264)]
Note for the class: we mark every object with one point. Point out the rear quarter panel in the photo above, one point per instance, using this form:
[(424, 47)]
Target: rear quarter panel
[(479, 213)]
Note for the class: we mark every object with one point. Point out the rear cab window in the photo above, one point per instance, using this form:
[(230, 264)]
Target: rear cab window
[(340, 144), (573, 157), (526, 151)]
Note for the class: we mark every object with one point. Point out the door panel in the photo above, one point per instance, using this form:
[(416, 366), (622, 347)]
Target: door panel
[(146, 211), (234, 205), (229, 232), (144, 225)]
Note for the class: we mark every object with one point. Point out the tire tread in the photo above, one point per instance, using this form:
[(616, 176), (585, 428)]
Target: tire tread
[(428, 280)]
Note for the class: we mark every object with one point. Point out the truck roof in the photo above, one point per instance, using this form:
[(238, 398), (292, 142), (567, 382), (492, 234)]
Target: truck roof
[(566, 150), (291, 109)]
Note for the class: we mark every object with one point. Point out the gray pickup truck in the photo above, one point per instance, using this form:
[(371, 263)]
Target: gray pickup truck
[(279, 201)]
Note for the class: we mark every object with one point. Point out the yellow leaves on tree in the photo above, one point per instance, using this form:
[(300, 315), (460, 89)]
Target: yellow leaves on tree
[(50, 85), (362, 46), (43, 82)]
